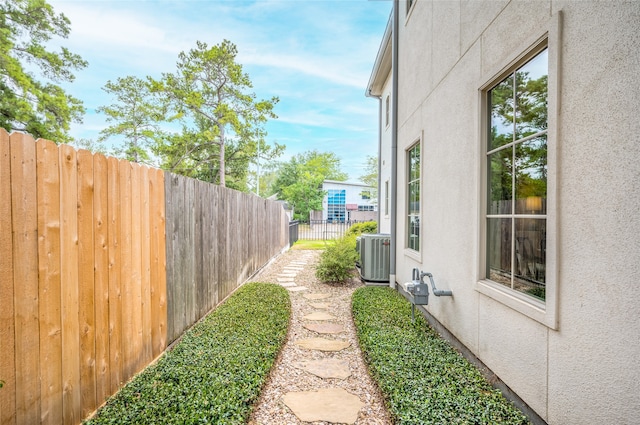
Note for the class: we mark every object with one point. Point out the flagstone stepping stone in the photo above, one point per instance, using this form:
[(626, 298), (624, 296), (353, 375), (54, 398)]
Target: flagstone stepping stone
[(319, 315), (294, 268), (322, 344), (316, 296), (325, 368), (319, 305), (287, 274), (288, 284), (334, 405), (284, 279), (297, 288), (325, 328)]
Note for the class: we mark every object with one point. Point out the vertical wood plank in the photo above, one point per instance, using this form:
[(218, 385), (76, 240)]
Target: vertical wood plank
[(158, 261), (25, 276), (115, 291), (213, 246), (162, 261), (48, 182), (101, 276), (126, 270), (200, 304), (169, 184), (86, 289), (189, 262), (70, 293), (7, 317), (135, 354), (145, 219)]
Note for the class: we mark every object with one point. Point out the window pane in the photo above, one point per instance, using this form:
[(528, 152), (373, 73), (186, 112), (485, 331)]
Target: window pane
[(501, 106), (414, 232), (530, 256), (499, 250), (531, 176), (414, 198), (414, 163), (499, 180), (531, 95)]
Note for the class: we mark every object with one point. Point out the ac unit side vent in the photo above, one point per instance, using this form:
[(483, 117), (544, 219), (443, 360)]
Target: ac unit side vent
[(374, 257)]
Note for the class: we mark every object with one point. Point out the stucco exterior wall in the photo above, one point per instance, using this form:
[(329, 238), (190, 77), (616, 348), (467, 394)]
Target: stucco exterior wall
[(584, 368), (384, 225)]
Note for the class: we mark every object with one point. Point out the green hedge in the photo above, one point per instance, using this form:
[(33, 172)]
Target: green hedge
[(365, 227), (424, 380), (215, 373)]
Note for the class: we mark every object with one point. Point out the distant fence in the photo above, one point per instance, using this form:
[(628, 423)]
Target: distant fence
[(103, 263), (293, 232), (322, 229)]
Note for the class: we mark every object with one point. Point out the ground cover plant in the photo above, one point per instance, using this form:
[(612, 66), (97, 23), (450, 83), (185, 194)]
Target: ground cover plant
[(424, 380), (215, 373)]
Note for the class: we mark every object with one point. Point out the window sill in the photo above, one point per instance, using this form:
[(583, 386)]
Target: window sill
[(528, 306), (413, 254)]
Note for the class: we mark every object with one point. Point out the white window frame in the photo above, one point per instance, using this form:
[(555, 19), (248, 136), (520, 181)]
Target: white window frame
[(386, 198), (387, 109), (408, 250), (545, 312)]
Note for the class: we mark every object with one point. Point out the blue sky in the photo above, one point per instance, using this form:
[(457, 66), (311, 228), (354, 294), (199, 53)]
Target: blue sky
[(315, 55)]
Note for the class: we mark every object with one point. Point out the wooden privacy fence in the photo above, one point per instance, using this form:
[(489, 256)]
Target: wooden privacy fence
[(95, 282), (216, 239)]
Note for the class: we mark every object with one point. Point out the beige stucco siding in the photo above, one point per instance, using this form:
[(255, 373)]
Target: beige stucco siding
[(585, 370)]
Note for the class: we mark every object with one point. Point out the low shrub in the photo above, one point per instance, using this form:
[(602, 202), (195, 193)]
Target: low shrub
[(337, 261), (423, 379), (365, 227), (215, 373)]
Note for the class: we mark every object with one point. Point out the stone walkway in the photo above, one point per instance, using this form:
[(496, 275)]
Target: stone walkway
[(320, 376)]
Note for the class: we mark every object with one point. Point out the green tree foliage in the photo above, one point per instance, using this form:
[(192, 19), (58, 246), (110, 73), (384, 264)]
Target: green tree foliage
[(135, 115), (209, 93), (370, 176), (299, 181), (41, 108), (515, 115)]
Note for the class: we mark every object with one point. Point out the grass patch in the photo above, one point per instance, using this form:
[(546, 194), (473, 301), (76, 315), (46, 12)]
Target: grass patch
[(309, 244), (424, 380), (215, 373)]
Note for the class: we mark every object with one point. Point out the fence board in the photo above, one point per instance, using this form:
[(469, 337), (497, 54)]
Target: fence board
[(115, 290), (48, 188), (7, 323), (25, 277), (101, 290), (145, 218), (126, 270), (135, 283), (71, 396), (86, 289), (158, 275), (189, 263)]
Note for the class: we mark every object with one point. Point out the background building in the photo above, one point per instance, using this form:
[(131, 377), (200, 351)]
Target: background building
[(348, 202)]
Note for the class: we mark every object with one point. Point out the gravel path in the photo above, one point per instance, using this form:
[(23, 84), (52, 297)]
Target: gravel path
[(297, 267)]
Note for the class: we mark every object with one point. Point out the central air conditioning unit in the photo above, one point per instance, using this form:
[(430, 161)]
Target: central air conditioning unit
[(374, 252)]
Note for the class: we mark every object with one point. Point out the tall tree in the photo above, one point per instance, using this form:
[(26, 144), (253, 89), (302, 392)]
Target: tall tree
[(210, 90), (43, 109), (135, 115)]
